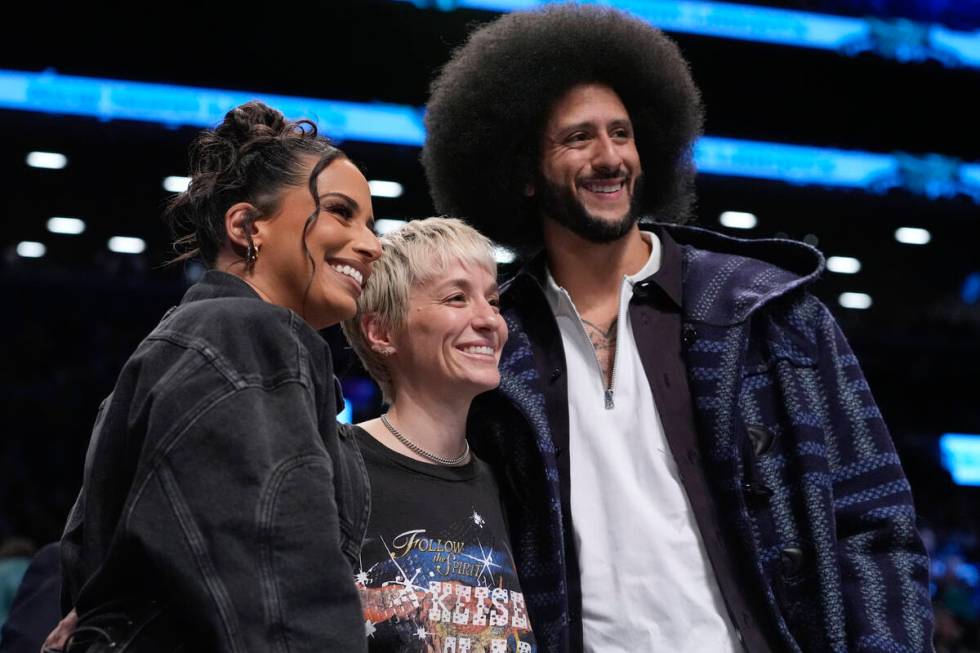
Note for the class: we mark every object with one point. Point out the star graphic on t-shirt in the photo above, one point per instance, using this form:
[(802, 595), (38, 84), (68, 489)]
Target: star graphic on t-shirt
[(369, 628), (486, 560), (477, 519), (361, 578), (421, 633)]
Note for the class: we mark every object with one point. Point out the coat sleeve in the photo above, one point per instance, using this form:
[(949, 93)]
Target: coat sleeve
[(883, 565), (238, 517)]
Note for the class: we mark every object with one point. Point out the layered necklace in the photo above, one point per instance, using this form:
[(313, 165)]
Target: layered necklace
[(422, 452)]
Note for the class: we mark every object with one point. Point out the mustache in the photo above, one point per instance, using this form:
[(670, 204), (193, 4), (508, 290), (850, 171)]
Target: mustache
[(599, 175)]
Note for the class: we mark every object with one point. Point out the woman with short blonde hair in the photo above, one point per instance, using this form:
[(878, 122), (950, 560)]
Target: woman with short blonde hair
[(436, 568), (413, 255)]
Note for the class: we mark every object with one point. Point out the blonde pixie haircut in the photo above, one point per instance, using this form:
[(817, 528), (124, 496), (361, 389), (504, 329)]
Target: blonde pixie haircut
[(410, 256)]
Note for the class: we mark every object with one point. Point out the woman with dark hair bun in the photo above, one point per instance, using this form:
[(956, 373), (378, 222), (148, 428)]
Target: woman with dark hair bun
[(220, 511)]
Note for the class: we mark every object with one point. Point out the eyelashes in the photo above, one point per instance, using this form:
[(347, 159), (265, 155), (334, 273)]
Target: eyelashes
[(342, 210), (460, 297)]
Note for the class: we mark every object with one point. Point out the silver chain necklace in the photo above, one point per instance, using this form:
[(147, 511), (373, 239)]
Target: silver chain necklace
[(422, 452)]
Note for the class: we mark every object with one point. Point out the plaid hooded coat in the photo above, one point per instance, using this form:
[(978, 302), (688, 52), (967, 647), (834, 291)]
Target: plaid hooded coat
[(779, 402)]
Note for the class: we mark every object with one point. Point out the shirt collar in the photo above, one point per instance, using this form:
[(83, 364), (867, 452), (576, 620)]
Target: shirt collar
[(662, 268), (558, 298)]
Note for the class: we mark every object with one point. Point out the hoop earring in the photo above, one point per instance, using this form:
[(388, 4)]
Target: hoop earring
[(251, 255), (252, 252)]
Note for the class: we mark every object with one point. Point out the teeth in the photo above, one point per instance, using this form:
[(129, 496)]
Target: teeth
[(609, 188), (479, 350), (350, 272)]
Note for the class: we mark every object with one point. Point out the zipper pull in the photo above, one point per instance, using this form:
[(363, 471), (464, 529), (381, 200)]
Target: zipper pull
[(609, 399)]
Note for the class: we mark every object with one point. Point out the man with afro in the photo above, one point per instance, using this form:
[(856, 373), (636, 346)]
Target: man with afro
[(690, 457)]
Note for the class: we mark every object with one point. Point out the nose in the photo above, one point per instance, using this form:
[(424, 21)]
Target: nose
[(606, 155), (367, 245), (487, 318)]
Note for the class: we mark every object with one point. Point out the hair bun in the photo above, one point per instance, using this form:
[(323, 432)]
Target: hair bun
[(219, 152), (250, 120), (250, 157)]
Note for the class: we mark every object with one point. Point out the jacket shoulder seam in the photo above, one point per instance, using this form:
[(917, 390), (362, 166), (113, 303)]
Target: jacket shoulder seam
[(172, 438), (219, 361)]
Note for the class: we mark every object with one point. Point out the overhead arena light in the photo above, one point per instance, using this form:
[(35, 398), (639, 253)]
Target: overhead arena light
[(843, 265), (382, 188), (127, 245), (855, 300), (175, 184), (48, 160), (912, 235), (737, 220), (383, 226), (31, 249), (504, 255), (67, 226)]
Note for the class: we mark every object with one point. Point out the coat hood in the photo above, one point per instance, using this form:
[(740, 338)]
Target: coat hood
[(727, 279)]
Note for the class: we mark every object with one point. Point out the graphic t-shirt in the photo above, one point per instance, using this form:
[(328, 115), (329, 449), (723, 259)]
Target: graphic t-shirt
[(436, 572)]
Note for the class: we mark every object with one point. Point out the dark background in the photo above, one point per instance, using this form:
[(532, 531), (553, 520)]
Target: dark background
[(70, 319)]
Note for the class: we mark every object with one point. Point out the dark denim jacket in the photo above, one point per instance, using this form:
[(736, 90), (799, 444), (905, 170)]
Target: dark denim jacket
[(216, 482)]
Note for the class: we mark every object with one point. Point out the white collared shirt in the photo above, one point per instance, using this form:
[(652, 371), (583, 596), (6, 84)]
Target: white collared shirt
[(647, 583)]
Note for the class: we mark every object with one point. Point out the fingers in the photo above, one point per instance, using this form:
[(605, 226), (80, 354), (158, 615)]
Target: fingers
[(58, 637)]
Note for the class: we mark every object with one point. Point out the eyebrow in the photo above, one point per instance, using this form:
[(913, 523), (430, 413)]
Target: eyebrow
[(464, 283), (589, 124), (350, 200)]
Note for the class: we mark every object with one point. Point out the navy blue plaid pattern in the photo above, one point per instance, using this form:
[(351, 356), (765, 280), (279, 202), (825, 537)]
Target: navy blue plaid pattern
[(834, 547)]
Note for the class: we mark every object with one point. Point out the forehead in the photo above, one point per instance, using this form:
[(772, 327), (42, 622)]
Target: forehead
[(587, 103), (342, 176), (455, 272)]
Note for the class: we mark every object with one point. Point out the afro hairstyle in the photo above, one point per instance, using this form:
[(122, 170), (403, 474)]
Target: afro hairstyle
[(491, 101)]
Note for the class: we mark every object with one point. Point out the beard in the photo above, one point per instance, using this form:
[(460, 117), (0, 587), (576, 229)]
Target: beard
[(560, 204)]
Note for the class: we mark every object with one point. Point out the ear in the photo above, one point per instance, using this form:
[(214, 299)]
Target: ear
[(240, 223), (378, 337), (529, 189)]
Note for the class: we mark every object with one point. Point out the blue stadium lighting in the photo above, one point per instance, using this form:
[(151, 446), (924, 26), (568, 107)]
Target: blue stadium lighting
[(971, 288), (177, 106), (965, 571), (930, 175), (898, 39), (969, 574), (796, 164), (346, 416), (961, 457), (970, 174)]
